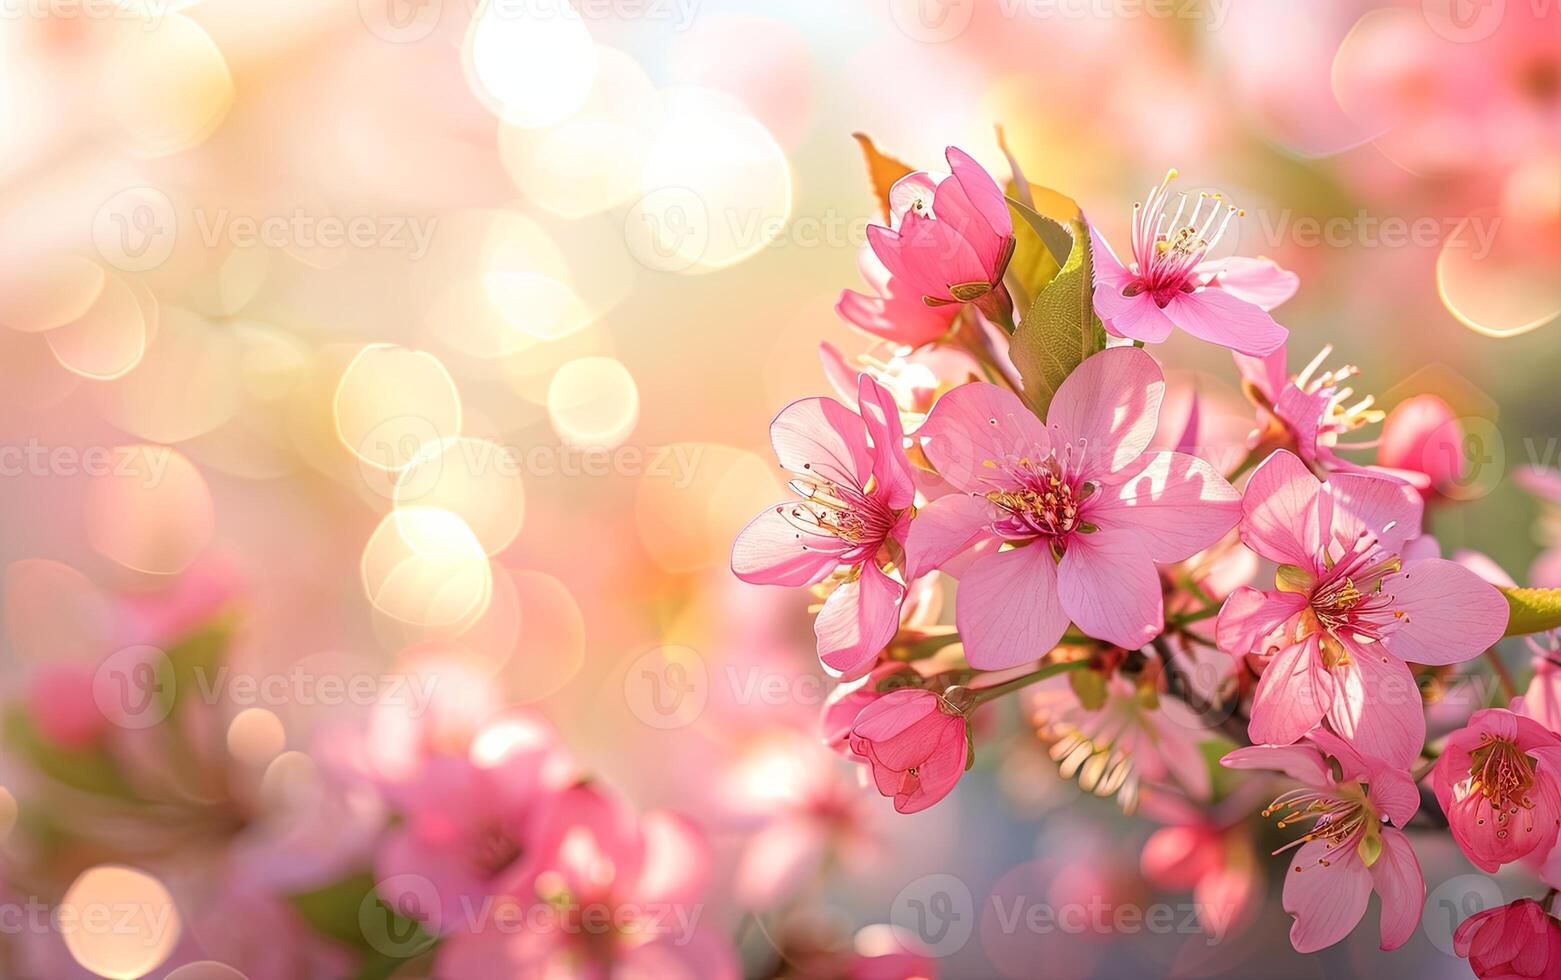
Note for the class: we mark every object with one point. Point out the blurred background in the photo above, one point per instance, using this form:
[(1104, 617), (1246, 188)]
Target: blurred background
[(433, 344)]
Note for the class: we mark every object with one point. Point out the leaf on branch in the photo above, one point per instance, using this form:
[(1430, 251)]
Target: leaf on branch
[(1533, 610), (1060, 328), (883, 170)]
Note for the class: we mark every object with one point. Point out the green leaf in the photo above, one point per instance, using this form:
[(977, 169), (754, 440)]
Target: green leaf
[(349, 910), (1089, 686), (1060, 328), (1533, 610), (1034, 263), (88, 769)]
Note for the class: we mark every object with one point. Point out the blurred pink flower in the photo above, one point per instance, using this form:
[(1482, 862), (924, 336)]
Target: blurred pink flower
[(1168, 284), (1497, 782), (895, 311), (1422, 442), (856, 488), (613, 896), (1353, 846), (953, 239), (1306, 413), (917, 743), (1087, 511), (1545, 484), (1208, 851), (915, 379), (1511, 942), (1352, 610)]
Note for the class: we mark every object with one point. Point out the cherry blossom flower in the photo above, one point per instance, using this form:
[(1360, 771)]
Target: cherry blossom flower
[(953, 238), (1350, 611), (1169, 284), (914, 378), (1422, 442), (855, 485), (917, 743), (614, 895), (1510, 942), (895, 311), (1497, 782), (1084, 510), (1352, 845), (1207, 851), (1306, 413)]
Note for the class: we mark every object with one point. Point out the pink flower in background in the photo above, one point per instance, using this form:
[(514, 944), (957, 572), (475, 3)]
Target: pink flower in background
[(915, 379), (1306, 413), (1542, 700), (1497, 782), (1422, 441), (1208, 852), (953, 239), (472, 824), (1352, 845), (855, 483), (917, 743), (1087, 512), (1169, 284), (613, 896), (1545, 484), (1349, 612), (1511, 942), (895, 311)]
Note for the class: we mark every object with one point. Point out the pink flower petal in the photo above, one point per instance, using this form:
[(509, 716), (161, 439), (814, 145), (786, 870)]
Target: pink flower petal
[(1110, 589), (1109, 270), (1108, 408), (975, 423), (1385, 507), (891, 470), (1221, 318), (1300, 762), (1450, 614), (1292, 696), (1007, 609), (771, 550), (1393, 793), (1260, 282), (1174, 503), (821, 437), (1284, 511), (1326, 899), (981, 191), (858, 620), (943, 529), (1400, 886), (1249, 616), (1134, 317), (1377, 706)]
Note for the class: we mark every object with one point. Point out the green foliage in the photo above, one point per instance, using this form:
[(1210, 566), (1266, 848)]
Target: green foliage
[(1060, 328), (1533, 610)]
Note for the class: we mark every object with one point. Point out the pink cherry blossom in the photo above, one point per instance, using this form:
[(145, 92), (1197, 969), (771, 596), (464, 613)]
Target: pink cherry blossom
[(1205, 850), (1511, 942), (855, 485), (1497, 781), (917, 743), (914, 378), (1422, 441), (1542, 700), (895, 311), (1169, 284), (1352, 845), (615, 895), (1309, 412), (953, 238), (1350, 611), (1085, 511)]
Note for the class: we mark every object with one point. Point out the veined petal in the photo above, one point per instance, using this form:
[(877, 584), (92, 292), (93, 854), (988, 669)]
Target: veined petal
[(1400, 887), (1109, 588), (1376, 705), (1326, 899), (773, 551), (1292, 696), (1300, 762), (1007, 609), (1449, 614), (1175, 504), (1108, 408), (1285, 514), (858, 620), (1384, 506), (820, 436), (891, 469), (943, 529), (975, 427), (1249, 616), (1134, 317), (1221, 318), (1260, 282)]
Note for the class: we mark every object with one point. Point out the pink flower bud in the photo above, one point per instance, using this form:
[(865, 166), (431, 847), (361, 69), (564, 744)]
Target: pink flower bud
[(1423, 436), (1511, 941), (917, 744)]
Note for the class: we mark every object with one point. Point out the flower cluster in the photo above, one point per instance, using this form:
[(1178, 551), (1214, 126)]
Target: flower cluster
[(1008, 438)]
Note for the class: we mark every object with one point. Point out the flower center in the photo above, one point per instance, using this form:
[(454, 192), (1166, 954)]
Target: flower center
[(1337, 819), (1349, 596), (1168, 246), (1044, 503), (495, 849), (1503, 774), (1336, 417), (840, 511)]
